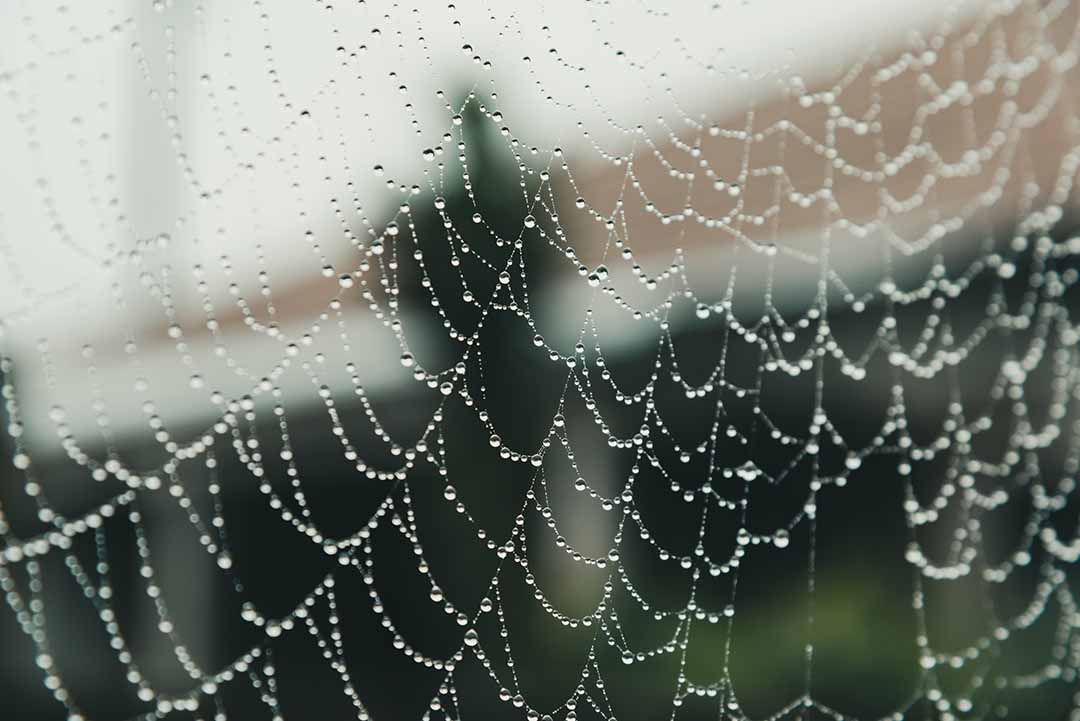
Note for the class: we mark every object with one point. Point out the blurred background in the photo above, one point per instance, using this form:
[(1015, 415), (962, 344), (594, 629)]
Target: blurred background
[(166, 164)]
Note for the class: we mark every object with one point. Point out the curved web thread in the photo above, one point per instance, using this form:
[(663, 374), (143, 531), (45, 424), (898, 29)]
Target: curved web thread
[(1003, 84)]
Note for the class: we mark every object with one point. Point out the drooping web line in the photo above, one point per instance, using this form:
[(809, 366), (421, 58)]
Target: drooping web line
[(1004, 82)]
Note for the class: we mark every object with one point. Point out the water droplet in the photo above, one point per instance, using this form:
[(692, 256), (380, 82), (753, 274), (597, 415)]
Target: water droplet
[(472, 637)]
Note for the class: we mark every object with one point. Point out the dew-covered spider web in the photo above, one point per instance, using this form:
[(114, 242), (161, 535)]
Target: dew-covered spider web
[(555, 360)]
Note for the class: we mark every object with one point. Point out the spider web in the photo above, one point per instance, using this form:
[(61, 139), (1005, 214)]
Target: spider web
[(648, 346)]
